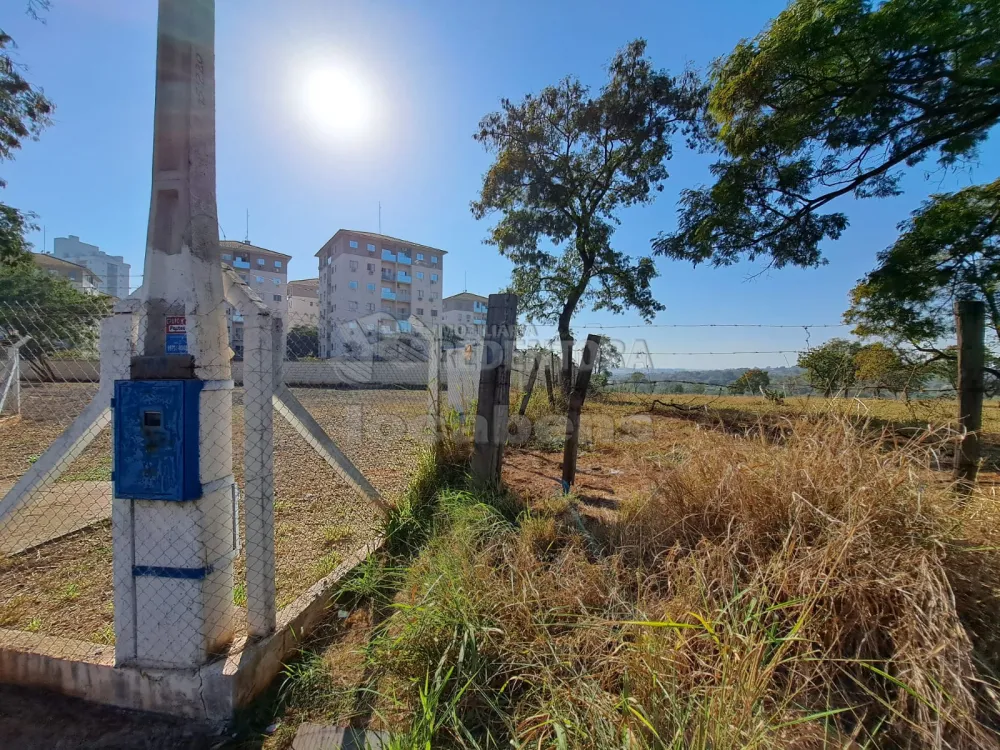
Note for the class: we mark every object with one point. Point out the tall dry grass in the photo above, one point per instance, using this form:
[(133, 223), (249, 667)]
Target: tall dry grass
[(821, 592)]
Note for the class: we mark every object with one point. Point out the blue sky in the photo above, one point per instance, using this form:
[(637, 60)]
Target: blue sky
[(432, 69)]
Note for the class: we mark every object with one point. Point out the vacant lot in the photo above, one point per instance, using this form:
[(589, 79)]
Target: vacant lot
[(64, 587)]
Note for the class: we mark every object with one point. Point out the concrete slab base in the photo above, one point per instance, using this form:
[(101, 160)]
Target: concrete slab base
[(320, 737), (212, 693)]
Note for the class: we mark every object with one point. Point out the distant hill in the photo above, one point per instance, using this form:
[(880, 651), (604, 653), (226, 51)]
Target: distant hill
[(711, 377)]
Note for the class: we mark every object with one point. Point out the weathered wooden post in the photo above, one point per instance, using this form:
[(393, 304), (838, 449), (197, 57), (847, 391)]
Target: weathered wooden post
[(970, 324), (532, 376), (493, 408), (576, 398), (548, 386), (434, 383)]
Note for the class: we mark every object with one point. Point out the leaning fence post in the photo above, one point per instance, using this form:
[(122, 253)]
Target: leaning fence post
[(434, 382), (531, 384), (493, 407), (970, 324), (548, 386), (261, 358), (576, 398)]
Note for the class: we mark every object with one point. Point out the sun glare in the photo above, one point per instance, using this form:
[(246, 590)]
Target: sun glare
[(338, 102)]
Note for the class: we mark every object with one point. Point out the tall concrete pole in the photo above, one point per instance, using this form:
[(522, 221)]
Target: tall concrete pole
[(174, 557), (182, 275)]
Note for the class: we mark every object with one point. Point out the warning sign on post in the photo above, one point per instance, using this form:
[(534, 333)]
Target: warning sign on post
[(177, 334)]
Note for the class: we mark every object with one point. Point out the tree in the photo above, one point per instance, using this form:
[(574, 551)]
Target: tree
[(24, 112), (636, 378), (301, 342), (608, 358), (835, 98), (677, 388), (565, 163), (752, 381), (949, 249), (830, 367), (48, 310), (698, 389), (880, 367)]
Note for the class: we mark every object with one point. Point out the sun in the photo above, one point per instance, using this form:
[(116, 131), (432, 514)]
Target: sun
[(338, 102)]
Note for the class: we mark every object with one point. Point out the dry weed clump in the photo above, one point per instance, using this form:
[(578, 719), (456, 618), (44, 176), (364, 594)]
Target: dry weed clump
[(821, 592)]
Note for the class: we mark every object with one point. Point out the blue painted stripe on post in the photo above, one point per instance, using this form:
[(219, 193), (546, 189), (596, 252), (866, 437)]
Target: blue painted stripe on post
[(188, 574)]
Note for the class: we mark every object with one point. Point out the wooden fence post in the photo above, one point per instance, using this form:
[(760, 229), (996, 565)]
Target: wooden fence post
[(493, 407), (531, 384), (434, 382), (970, 324), (576, 398), (548, 386)]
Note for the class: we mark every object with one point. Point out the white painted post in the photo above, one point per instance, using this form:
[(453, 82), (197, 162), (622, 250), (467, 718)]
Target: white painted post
[(182, 552), (434, 382), (259, 371)]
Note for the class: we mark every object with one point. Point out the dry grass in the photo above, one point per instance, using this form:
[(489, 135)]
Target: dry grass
[(819, 592)]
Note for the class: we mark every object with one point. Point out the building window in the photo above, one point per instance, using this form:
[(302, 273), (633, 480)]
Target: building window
[(371, 287), (371, 307), (259, 279), (227, 256), (434, 277), (371, 268), (242, 276), (420, 274), (468, 318), (333, 307), (434, 259), (420, 294), (334, 288), (277, 298), (434, 313), (352, 284), (420, 311), (354, 265), (277, 264), (260, 262), (352, 306), (329, 259), (420, 256), (334, 269), (353, 243), (277, 282), (371, 248)]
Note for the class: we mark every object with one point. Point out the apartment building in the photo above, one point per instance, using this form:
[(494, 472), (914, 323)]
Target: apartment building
[(378, 283), (465, 314), (303, 302), (82, 278), (112, 270), (266, 272)]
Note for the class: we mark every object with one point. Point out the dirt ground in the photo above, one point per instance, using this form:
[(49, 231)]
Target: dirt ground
[(64, 587)]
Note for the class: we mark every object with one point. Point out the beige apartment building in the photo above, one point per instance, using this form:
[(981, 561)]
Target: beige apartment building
[(375, 283), (303, 302), (266, 272), (82, 278), (465, 314)]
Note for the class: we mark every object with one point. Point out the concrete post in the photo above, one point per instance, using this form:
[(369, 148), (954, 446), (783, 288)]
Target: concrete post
[(258, 390), (182, 553), (493, 406)]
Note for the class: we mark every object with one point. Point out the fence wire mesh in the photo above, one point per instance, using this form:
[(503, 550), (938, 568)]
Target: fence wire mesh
[(178, 570)]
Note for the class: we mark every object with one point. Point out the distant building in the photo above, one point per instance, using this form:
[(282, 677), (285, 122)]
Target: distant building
[(376, 282), (303, 302), (465, 314), (111, 269), (266, 272), (82, 278)]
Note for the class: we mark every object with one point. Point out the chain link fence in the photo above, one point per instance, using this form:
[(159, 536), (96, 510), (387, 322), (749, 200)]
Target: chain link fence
[(176, 576)]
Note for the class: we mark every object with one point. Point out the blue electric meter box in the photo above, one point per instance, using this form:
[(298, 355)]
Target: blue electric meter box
[(156, 439)]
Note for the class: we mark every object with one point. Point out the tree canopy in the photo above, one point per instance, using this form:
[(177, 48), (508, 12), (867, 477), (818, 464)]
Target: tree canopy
[(948, 250), (752, 381), (831, 368), (24, 112), (47, 309), (835, 98), (565, 161)]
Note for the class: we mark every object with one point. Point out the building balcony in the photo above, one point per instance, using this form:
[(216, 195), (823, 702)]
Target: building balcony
[(479, 322), (479, 307), (388, 294), (386, 255), (403, 296), (241, 264), (404, 259), (404, 278), (386, 275)]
